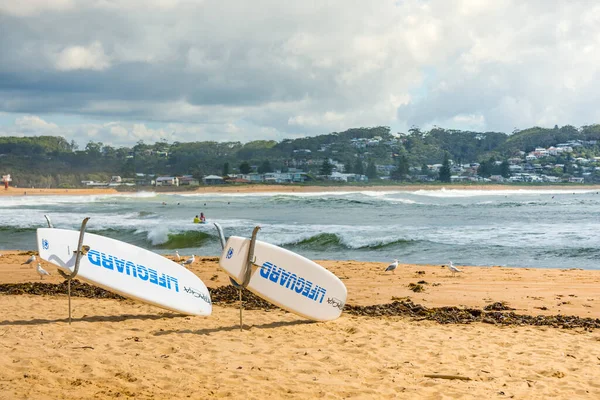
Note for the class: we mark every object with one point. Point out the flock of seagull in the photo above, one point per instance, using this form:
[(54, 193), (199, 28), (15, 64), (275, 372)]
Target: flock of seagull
[(184, 262), (41, 271), (392, 267)]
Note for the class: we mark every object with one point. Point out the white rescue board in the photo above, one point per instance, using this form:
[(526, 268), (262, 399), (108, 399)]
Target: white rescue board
[(126, 269), (286, 279)]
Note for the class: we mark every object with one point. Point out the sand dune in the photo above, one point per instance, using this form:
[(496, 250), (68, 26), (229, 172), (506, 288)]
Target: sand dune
[(126, 349)]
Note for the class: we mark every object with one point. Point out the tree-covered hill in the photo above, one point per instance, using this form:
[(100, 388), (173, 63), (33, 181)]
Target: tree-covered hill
[(48, 161)]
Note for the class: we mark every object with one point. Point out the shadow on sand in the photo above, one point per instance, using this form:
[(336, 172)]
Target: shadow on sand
[(97, 318), (236, 327)]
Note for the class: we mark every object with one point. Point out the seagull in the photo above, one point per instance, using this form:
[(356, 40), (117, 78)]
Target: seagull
[(177, 256), (42, 271), (453, 268), (29, 260), (189, 260), (392, 267)]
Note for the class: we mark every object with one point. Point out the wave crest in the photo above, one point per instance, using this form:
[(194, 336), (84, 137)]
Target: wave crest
[(328, 241)]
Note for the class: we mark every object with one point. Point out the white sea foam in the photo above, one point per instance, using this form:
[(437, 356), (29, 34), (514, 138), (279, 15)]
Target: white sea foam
[(157, 235), (443, 192), (265, 194)]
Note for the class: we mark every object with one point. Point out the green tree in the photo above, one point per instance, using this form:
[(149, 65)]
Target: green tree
[(265, 167), (358, 167), (504, 169), (226, 169), (326, 168), (94, 149), (445, 170), (490, 167), (371, 170), (482, 170), (245, 168), (348, 167), (402, 168)]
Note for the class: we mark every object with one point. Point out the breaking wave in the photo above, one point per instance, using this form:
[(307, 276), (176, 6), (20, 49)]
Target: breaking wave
[(327, 241)]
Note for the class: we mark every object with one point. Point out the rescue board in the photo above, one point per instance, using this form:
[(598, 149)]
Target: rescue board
[(126, 269), (286, 279)]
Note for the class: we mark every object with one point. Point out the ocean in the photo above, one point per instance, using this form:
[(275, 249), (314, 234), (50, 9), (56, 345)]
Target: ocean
[(520, 228)]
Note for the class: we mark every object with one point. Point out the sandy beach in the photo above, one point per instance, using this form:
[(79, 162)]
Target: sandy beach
[(122, 348), (233, 189)]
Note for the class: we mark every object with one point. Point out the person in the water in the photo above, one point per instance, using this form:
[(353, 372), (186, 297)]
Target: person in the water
[(202, 218), (196, 220)]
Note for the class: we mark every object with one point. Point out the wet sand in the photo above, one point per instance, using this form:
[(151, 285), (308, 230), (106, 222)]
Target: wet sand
[(127, 349)]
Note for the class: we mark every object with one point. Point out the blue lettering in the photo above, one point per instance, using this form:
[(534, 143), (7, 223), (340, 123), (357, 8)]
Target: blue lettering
[(306, 288), (313, 292), (142, 272), (322, 291), (153, 276), (299, 287), (292, 282), (293, 278), (94, 257), (173, 280), (266, 269), (107, 261), (284, 277), (131, 266), (162, 281), (120, 264), (274, 277)]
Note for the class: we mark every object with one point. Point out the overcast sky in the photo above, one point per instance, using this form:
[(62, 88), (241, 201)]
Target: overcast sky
[(118, 71)]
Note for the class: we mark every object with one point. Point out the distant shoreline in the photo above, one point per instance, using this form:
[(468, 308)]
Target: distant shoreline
[(287, 189)]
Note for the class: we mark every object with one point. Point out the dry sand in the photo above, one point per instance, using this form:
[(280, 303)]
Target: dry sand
[(127, 349), (257, 188)]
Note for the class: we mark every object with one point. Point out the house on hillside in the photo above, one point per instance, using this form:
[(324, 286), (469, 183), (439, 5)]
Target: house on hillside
[(285, 177), (144, 179), (188, 180), (212, 180), (238, 180), (167, 181), (253, 177), (385, 169), (339, 177)]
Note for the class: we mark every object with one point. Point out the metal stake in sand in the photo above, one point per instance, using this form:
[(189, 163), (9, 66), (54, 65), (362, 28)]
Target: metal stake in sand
[(223, 243), (78, 254), (249, 263), (248, 270)]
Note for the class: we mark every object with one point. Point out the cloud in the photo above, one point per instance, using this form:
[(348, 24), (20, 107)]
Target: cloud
[(126, 133), (29, 125), (32, 123), (32, 7), (80, 57), (225, 69)]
